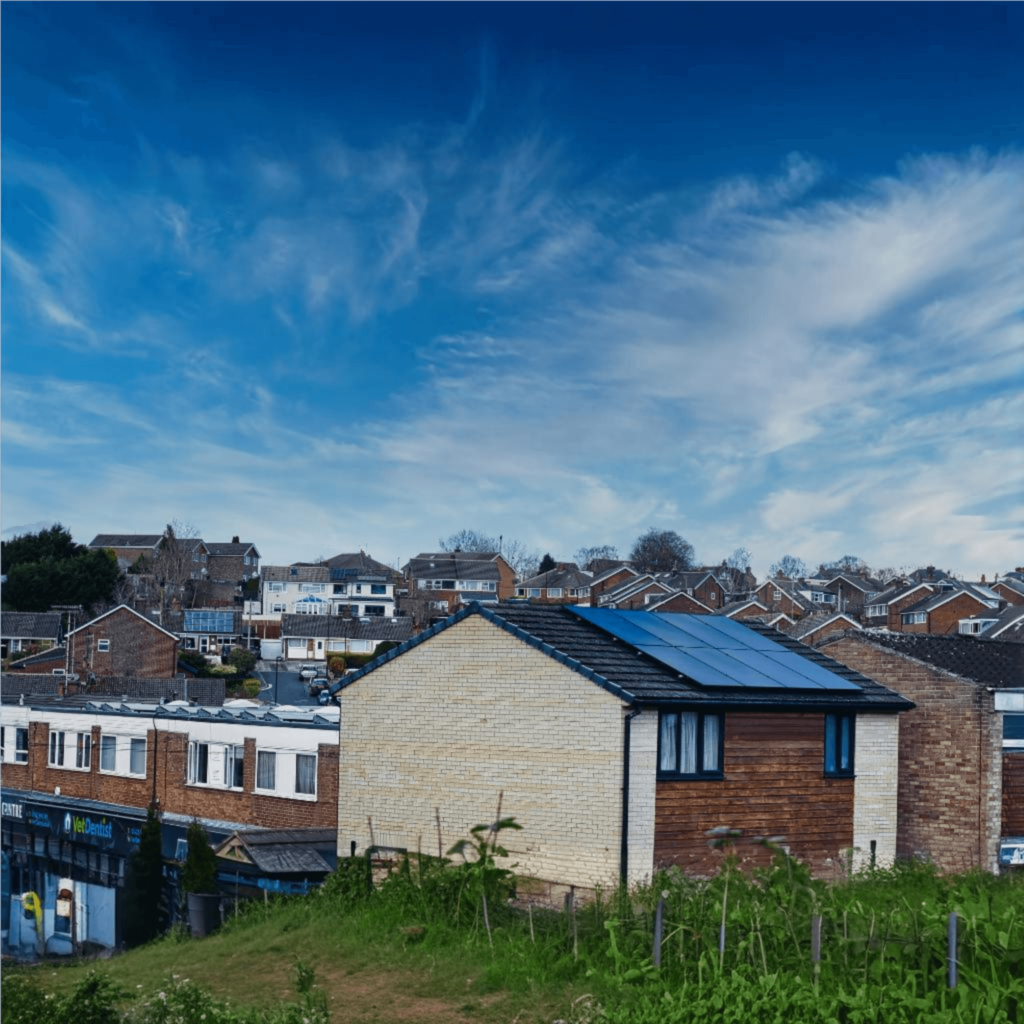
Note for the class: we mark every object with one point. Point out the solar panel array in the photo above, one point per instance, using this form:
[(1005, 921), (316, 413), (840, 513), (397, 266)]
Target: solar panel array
[(714, 651), (209, 622)]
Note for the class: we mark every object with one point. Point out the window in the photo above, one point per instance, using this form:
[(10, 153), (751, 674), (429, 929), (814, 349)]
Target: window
[(137, 757), (875, 610), (341, 588), (3, 743), (277, 608), (102, 646), (490, 586), (378, 588), (554, 591), (275, 588), (533, 592), (839, 745), (198, 763), (305, 774), (21, 746), (520, 592), (373, 609), (447, 584), (57, 749), (776, 595), (913, 618), (712, 595), (266, 770), (359, 588), (108, 753), (181, 850), (690, 744), (311, 588), (83, 750), (235, 768)]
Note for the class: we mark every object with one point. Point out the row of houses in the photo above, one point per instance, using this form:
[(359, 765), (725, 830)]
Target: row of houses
[(617, 737)]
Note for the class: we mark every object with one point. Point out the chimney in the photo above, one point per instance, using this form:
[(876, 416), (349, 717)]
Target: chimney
[(235, 540), (982, 577)]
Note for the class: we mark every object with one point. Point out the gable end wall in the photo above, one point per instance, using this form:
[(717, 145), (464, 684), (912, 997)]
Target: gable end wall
[(470, 713)]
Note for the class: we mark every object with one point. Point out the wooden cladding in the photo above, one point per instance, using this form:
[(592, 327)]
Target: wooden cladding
[(1013, 794), (774, 785)]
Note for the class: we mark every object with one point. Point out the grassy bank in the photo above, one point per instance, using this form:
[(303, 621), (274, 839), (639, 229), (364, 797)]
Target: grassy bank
[(436, 942)]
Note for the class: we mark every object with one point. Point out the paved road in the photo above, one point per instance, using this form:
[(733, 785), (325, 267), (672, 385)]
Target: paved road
[(290, 688)]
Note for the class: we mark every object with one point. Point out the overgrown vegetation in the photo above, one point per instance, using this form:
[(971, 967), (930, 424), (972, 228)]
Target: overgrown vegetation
[(736, 947)]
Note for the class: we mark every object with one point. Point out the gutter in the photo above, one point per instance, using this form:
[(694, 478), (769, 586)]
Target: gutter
[(624, 851)]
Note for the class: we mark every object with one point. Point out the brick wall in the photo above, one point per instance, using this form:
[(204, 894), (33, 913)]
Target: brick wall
[(166, 757), (875, 803), (949, 799), (946, 618), (1013, 794), (137, 648), (469, 713)]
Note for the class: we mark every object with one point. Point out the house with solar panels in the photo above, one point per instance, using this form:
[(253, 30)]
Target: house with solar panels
[(618, 740)]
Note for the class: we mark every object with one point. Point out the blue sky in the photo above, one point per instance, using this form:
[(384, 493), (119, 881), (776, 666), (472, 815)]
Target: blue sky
[(339, 276)]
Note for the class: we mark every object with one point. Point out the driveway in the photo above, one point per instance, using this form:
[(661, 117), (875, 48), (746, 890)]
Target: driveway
[(290, 688)]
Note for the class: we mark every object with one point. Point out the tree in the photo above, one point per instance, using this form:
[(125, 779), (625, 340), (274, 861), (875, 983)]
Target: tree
[(244, 661), (146, 915), (586, 557), (740, 560), (469, 540), (173, 564), (200, 871), (661, 551), (547, 563), (790, 566), (847, 563), (524, 562), (48, 568)]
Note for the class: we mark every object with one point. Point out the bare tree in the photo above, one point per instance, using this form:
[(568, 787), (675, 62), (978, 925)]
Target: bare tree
[(661, 551), (740, 559), (523, 561), (586, 557), (176, 567), (790, 566), (469, 540)]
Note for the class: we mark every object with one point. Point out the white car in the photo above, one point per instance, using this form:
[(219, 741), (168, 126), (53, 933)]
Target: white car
[(309, 671)]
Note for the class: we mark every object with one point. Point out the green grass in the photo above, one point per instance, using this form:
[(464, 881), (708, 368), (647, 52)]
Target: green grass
[(419, 948)]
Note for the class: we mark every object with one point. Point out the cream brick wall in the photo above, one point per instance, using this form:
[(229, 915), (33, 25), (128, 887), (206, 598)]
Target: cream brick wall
[(468, 713), (643, 772), (874, 790)]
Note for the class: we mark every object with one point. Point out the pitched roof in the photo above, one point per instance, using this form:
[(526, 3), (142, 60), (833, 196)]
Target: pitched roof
[(1008, 626), (378, 627), (361, 561), (306, 851), (462, 565), (51, 656), (812, 623), (123, 607), (899, 590), (126, 540), (865, 584), (621, 669), (30, 625), (232, 548), (992, 662), (570, 577)]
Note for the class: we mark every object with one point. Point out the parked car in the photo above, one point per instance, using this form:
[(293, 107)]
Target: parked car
[(309, 671), (318, 685), (325, 697)]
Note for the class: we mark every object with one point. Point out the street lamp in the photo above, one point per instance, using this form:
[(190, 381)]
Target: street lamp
[(277, 666)]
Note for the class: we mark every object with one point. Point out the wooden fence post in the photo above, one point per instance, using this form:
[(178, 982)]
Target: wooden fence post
[(951, 940), (657, 931)]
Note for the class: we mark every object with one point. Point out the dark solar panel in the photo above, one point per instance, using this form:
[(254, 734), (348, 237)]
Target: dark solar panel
[(714, 652)]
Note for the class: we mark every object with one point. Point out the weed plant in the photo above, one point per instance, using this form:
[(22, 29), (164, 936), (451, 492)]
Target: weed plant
[(883, 950)]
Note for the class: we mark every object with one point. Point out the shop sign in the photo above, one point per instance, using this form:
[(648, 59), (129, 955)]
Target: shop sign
[(11, 809), (99, 828)]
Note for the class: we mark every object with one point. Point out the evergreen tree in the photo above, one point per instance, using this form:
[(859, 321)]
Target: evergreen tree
[(547, 563), (146, 908), (200, 871)]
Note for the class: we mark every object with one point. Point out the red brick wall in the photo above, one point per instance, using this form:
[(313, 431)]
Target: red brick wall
[(894, 621), (774, 785), (946, 618), (709, 593), (949, 797), (683, 603), (1013, 794), (596, 590), (137, 648), (166, 755)]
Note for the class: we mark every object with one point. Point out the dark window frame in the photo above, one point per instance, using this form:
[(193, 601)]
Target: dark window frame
[(837, 742), (701, 774)]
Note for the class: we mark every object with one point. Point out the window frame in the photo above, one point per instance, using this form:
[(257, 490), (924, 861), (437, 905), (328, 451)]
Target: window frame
[(256, 784), (20, 752), (132, 741), (108, 744), (303, 792), (193, 761), (836, 742), (103, 646), (55, 746), (83, 751), (701, 774)]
